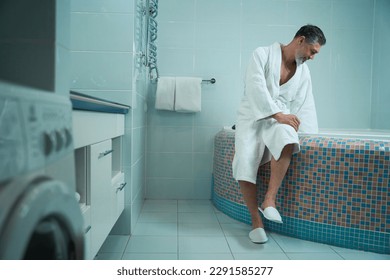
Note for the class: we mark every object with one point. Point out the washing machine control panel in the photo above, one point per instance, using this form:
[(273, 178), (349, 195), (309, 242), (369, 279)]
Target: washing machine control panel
[(35, 130)]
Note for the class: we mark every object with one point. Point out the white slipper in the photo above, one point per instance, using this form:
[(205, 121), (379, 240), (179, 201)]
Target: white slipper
[(270, 213), (258, 235)]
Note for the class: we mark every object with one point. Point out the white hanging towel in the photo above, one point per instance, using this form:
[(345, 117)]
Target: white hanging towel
[(188, 94), (165, 94)]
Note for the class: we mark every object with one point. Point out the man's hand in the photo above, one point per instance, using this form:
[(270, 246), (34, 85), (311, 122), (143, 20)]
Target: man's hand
[(287, 119)]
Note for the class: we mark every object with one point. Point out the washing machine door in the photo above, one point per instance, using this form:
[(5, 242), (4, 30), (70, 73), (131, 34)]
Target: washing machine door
[(44, 222)]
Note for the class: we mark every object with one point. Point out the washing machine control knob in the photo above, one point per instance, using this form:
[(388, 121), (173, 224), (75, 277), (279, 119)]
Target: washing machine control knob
[(48, 143), (59, 140), (68, 137)]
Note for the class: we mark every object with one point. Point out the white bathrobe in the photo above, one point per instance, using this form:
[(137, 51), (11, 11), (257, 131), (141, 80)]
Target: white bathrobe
[(258, 135)]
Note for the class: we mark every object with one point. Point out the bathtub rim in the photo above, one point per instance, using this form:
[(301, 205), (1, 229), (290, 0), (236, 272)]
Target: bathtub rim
[(367, 134)]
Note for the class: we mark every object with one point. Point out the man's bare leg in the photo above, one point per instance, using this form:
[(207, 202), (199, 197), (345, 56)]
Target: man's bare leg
[(249, 191), (278, 171)]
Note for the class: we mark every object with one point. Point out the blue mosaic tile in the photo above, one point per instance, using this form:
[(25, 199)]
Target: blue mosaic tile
[(336, 191)]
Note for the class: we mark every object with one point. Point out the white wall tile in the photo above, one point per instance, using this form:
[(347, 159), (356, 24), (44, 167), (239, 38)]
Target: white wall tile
[(170, 165), (166, 118), (221, 11), (168, 188), (176, 61), (353, 14), (117, 6), (203, 165), (101, 70), (381, 87), (102, 32), (217, 36), (264, 12), (311, 13), (176, 10), (138, 144), (204, 138), (170, 139), (174, 34)]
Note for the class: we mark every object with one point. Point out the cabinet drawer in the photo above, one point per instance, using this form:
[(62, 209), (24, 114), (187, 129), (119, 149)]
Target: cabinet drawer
[(89, 255), (86, 212), (113, 124), (118, 183), (100, 190)]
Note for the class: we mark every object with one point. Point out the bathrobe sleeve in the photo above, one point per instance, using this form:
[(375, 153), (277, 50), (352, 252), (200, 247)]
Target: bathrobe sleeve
[(303, 105), (256, 90)]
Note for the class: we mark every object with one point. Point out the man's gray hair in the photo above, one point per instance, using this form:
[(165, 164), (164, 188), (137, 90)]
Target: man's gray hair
[(312, 33)]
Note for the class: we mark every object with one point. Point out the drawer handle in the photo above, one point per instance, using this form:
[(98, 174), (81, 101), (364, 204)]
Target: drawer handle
[(103, 154), (87, 229), (120, 188)]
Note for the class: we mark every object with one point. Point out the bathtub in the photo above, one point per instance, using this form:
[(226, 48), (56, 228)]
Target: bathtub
[(336, 190)]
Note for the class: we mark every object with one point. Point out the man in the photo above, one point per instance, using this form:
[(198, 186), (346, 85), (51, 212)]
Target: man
[(277, 103)]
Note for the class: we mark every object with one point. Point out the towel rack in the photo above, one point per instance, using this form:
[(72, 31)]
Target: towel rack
[(211, 81), (151, 23), (150, 59)]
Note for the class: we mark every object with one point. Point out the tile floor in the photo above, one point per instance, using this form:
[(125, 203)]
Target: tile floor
[(196, 230)]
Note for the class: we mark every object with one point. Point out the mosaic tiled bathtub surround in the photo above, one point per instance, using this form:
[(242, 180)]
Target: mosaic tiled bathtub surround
[(336, 191)]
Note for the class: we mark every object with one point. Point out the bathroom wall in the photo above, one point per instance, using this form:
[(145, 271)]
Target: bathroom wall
[(381, 86), (103, 55), (102, 48), (135, 132), (215, 39)]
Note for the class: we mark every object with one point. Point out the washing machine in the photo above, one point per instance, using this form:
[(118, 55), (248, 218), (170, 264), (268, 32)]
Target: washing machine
[(40, 217)]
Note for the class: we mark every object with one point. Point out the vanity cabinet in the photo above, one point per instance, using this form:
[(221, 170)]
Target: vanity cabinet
[(100, 179)]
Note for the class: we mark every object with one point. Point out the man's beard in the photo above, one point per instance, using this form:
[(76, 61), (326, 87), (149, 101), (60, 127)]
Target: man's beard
[(300, 60)]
